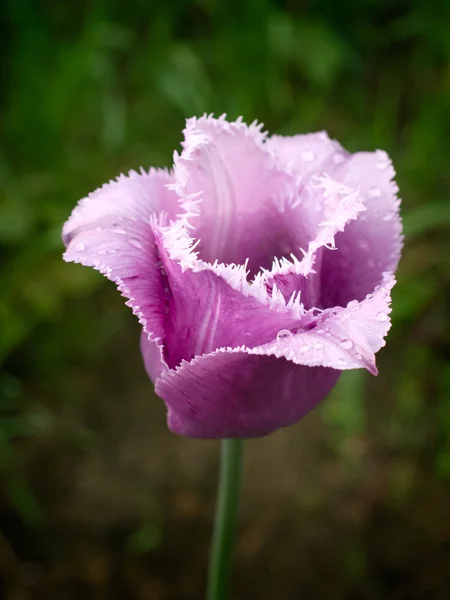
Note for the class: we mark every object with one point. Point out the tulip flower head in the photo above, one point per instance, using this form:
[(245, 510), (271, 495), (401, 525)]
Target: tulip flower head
[(259, 268)]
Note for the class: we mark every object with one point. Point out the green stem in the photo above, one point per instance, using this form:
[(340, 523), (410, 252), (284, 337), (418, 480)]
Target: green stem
[(225, 519)]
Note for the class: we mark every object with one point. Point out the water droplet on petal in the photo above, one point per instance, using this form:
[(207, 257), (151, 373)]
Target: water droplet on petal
[(98, 229), (304, 348), (318, 346), (369, 296), (346, 344), (307, 156), (382, 166), (340, 363), (381, 316), (284, 333), (107, 251), (80, 247), (345, 315), (354, 304), (118, 229), (136, 243), (387, 217), (374, 192), (363, 244), (338, 159)]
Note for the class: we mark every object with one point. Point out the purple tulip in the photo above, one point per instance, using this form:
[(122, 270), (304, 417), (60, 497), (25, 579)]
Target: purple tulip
[(259, 268)]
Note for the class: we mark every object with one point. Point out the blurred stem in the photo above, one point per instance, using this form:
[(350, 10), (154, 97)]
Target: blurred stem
[(225, 520)]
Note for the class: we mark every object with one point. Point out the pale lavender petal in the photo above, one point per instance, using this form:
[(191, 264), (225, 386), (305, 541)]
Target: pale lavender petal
[(230, 392), (233, 394), (203, 311), (371, 245), (339, 338), (306, 155), (334, 206), (228, 168), (153, 356), (136, 196), (110, 231)]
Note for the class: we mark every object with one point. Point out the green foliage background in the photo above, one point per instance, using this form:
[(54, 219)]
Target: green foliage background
[(94, 88)]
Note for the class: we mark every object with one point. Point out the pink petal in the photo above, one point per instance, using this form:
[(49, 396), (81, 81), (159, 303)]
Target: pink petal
[(370, 245), (339, 338), (331, 208), (203, 311), (136, 196), (230, 392), (305, 155), (153, 356), (110, 231), (233, 394), (228, 168)]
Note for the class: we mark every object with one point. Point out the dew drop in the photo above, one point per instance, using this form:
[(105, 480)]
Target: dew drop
[(381, 316), (363, 244), (374, 192), (118, 229), (382, 166), (307, 156), (346, 344), (304, 349), (284, 333), (338, 159), (80, 247), (107, 251), (318, 346), (354, 304), (369, 296), (136, 243), (98, 229), (341, 363), (387, 217), (345, 315)]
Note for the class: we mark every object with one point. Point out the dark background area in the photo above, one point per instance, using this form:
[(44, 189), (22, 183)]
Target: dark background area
[(98, 500)]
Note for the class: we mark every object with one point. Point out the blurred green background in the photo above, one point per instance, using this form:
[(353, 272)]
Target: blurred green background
[(97, 498)]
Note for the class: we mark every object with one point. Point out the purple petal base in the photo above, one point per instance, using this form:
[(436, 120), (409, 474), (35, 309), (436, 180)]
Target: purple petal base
[(233, 394)]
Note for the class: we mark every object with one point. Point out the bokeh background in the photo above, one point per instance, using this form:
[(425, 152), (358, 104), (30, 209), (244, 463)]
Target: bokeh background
[(98, 500)]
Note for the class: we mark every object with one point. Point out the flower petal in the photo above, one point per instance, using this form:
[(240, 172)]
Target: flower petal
[(335, 206), (153, 356), (110, 231), (227, 166), (304, 155), (204, 311), (339, 338), (371, 245), (231, 394)]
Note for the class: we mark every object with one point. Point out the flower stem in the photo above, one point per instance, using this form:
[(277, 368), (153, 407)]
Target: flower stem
[(225, 519)]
